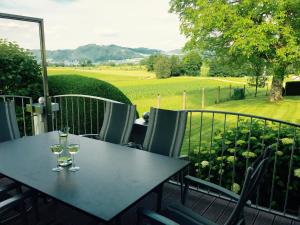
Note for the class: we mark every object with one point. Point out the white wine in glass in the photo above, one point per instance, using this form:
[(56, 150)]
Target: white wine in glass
[(73, 149), (56, 149)]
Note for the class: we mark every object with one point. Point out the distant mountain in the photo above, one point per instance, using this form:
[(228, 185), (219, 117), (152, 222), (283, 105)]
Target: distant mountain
[(174, 52), (96, 54)]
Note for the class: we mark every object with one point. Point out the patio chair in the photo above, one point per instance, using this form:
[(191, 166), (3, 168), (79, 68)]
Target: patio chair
[(180, 214), (8, 122), (11, 195), (165, 132), (117, 123), (164, 136)]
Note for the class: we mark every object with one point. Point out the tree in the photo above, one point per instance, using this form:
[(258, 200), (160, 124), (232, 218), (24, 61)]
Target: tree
[(261, 31), (191, 63), (150, 61), (176, 67), (20, 74), (162, 67)]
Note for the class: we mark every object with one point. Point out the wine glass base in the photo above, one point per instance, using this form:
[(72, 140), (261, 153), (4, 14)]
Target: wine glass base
[(57, 169), (74, 169)]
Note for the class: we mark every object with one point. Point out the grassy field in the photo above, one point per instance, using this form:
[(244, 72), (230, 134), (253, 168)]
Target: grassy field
[(142, 88)]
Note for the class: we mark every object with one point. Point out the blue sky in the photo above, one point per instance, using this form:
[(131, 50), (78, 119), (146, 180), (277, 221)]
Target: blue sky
[(71, 23)]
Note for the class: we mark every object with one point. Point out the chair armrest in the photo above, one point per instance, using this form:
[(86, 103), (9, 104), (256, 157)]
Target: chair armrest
[(134, 145), (208, 185), (9, 187), (155, 217), (94, 136), (15, 200), (184, 157)]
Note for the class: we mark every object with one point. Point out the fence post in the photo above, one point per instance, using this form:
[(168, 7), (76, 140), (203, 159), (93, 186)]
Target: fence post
[(203, 97), (245, 90), (218, 94), (184, 100), (230, 89), (158, 101)]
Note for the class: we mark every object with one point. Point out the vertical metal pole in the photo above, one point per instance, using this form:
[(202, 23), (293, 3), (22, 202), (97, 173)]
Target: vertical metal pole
[(45, 73)]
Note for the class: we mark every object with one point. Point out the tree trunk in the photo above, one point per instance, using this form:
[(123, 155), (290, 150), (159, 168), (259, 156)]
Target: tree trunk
[(277, 82), (256, 86)]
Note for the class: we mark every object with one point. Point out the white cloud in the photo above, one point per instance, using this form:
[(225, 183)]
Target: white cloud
[(70, 23)]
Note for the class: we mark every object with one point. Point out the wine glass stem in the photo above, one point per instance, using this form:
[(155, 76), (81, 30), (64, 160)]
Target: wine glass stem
[(73, 160), (57, 160)]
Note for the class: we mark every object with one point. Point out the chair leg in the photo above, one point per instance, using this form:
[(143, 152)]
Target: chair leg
[(35, 207), (159, 197), (181, 186), (185, 192), (24, 214)]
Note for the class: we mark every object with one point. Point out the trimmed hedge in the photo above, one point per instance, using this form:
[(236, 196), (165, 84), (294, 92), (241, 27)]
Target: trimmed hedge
[(86, 109), (292, 88), (76, 84)]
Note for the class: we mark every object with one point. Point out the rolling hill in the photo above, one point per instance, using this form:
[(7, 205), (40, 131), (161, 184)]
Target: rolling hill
[(96, 54)]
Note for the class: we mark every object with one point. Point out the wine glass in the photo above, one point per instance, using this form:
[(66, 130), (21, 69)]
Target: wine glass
[(56, 149), (73, 149)]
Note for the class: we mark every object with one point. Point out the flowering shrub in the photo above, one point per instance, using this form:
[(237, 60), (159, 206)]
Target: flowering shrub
[(224, 159)]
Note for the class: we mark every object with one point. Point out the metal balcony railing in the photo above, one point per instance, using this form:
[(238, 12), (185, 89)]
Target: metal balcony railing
[(24, 119), (220, 145)]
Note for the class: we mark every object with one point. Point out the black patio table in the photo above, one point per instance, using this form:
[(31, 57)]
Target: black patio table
[(110, 180)]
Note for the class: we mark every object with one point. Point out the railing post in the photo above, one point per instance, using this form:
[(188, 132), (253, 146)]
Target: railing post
[(245, 89), (158, 101), (184, 100)]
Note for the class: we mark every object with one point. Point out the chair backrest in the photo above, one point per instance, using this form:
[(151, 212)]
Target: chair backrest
[(117, 122), (165, 132), (8, 122), (252, 179)]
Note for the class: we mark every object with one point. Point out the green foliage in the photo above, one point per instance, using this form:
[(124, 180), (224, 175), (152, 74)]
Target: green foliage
[(150, 61), (176, 67), (162, 67), (192, 63), (224, 160), (260, 81), (260, 32), (86, 63), (75, 84), (238, 94), (20, 74)]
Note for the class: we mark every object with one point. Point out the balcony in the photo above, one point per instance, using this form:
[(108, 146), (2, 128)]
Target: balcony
[(220, 146)]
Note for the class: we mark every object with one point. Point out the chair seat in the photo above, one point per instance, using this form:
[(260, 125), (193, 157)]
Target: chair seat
[(186, 216)]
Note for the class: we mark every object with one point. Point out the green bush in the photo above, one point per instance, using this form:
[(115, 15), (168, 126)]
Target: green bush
[(162, 67), (191, 63), (86, 109), (20, 74), (237, 147), (238, 93)]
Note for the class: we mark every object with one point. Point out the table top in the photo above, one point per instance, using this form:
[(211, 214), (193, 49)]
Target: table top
[(111, 177)]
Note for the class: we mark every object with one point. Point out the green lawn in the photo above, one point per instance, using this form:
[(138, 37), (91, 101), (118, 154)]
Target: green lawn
[(142, 88)]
